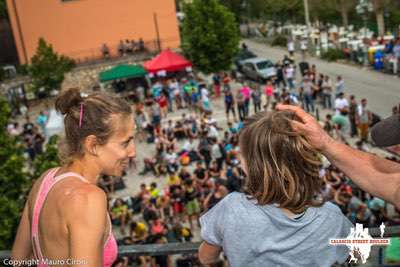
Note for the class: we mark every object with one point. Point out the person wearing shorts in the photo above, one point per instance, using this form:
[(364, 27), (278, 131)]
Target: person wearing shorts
[(192, 205), (229, 104)]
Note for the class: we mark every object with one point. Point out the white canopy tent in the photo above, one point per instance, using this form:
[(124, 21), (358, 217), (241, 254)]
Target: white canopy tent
[(55, 124)]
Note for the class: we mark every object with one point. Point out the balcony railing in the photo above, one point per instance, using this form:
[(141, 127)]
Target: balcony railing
[(191, 248), (97, 55)]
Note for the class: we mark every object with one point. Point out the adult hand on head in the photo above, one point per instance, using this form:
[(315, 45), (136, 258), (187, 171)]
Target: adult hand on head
[(309, 127)]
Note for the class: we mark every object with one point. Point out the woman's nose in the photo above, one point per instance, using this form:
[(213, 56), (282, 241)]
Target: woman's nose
[(132, 152)]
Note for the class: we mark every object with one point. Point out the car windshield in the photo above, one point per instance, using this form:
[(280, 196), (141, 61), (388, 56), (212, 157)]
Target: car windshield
[(247, 55), (264, 64)]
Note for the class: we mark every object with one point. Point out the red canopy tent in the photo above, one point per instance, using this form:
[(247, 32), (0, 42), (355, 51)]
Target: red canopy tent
[(167, 61)]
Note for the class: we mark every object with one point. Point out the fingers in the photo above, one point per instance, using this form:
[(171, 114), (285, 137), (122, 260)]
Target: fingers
[(303, 116), (298, 127)]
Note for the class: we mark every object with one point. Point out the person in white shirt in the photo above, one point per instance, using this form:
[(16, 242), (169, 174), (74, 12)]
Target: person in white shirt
[(303, 47), (216, 153), (176, 90), (290, 46), (204, 94), (205, 100), (289, 75), (341, 103), (212, 132), (339, 85), (171, 157), (189, 145)]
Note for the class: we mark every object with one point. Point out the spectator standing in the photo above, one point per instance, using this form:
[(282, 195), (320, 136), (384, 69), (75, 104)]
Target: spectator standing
[(240, 101), (308, 89), (353, 106), (256, 97), (42, 121), (269, 92), (290, 47), (246, 91), (289, 75), (327, 92), (339, 85), (280, 79), (364, 119), (229, 105), (341, 103), (303, 48), (217, 84)]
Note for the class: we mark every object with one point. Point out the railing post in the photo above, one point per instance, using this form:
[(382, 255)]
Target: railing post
[(380, 256), (317, 113)]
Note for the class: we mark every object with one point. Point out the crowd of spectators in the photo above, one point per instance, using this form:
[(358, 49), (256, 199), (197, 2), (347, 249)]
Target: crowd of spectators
[(196, 158)]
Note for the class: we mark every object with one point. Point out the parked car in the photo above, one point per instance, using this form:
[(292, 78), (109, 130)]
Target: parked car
[(258, 69), (243, 55)]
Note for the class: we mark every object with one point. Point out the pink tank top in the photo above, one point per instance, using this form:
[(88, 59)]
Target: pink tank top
[(110, 250)]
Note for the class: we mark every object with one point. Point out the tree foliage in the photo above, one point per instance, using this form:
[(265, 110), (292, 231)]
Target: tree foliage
[(238, 8), (3, 9), (14, 180), (47, 68), (47, 160), (210, 35), (339, 12)]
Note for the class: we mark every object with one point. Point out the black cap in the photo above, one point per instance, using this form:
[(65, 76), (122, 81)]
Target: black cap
[(387, 132)]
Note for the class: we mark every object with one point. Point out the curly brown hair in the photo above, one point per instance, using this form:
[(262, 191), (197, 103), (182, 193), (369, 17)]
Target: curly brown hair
[(281, 166)]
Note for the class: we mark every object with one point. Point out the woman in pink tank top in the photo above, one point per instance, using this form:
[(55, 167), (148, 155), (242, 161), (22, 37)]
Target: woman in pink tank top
[(65, 220)]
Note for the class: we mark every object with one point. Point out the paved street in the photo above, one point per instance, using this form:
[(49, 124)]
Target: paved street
[(381, 90)]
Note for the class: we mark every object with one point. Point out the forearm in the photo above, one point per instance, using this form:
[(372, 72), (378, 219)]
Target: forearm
[(208, 254), (379, 177)]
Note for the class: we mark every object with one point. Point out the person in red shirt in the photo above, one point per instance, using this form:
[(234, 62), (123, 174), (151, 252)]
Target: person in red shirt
[(269, 91), (163, 102)]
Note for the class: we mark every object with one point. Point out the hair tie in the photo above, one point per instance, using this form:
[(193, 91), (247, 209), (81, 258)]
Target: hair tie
[(81, 116)]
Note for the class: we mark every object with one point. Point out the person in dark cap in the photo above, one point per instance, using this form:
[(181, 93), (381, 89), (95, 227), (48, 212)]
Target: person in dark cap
[(377, 176)]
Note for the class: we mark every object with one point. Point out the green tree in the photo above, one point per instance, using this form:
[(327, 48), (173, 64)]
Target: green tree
[(210, 35), (344, 7), (47, 160), (3, 9), (238, 7), (282, 10), (14, 180), (327, 10), (47, 68), (379, 8)]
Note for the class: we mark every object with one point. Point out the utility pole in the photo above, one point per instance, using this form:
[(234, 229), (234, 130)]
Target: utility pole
[(307, 13), (157, 32)]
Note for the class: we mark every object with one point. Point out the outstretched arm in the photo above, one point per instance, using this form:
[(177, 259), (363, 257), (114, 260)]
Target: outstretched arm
[(377, 176)]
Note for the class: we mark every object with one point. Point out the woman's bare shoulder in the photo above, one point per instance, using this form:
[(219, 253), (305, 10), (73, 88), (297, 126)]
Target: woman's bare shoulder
[(86, 198), (35, 187)]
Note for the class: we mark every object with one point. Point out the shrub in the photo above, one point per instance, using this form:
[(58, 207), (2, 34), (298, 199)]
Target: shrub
[(333, 54), (279, 40)]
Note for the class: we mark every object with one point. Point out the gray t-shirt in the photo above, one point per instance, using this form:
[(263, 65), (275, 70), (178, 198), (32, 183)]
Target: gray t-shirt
[(254, 235)]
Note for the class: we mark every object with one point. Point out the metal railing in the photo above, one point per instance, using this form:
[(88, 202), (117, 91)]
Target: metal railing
[(190, 248)]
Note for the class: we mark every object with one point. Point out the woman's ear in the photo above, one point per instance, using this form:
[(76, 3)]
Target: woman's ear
[(90, 145)]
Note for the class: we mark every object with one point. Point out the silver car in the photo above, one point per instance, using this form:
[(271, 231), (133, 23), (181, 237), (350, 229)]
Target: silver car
[(258, 69)]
